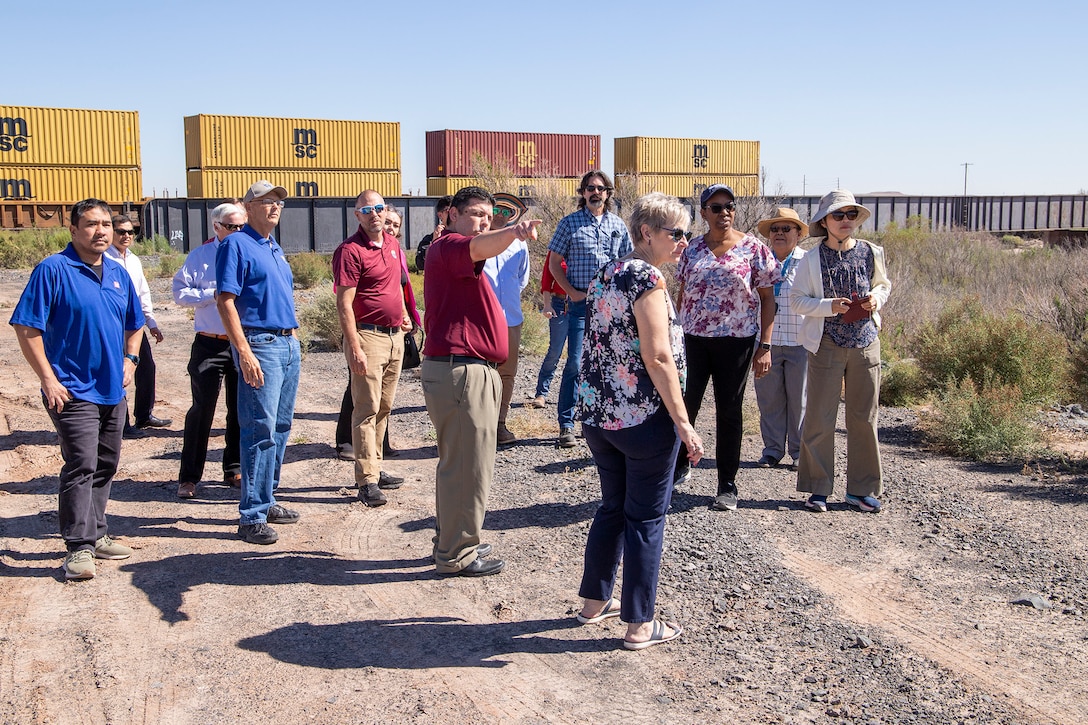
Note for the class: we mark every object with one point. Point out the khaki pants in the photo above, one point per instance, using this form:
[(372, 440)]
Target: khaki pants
[(463, 403), (508, 371), (372, 398), (827, 369)]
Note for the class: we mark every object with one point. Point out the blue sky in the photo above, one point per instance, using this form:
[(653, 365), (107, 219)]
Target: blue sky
[(870, 96)]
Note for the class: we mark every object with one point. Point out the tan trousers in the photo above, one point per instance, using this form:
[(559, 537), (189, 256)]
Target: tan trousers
[(508, 371), (827, 370), (372, 398), (463, 403)]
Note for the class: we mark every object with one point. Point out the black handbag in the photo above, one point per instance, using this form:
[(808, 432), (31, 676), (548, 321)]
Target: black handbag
[(412, 355)]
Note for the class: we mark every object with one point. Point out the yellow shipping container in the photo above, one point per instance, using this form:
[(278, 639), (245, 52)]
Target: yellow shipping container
[(647, 155), (690, 186), (70, 184), (31, 136), (443, 185), (249, 142), (223, 183)]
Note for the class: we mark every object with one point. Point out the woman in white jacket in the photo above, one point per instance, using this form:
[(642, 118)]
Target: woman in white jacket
[(840, 287)]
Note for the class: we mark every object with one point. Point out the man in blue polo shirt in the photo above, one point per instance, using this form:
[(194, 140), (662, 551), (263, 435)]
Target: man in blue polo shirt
[(257, 305), (77, 323), (586, 240)]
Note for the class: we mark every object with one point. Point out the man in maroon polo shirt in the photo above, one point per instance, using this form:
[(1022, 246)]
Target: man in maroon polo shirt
[(366, 270), (466, 341)]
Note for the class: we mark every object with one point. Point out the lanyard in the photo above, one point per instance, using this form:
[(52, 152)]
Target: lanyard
[(785, 269)]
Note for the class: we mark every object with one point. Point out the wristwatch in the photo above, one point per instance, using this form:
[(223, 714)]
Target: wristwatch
[(764, 346), (134, 358)]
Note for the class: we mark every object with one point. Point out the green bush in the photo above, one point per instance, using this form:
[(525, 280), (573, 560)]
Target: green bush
[(24, 249), (987, 423), (968, 343), (310, 268), (169, 264), (320, 324), (902, 384), (157, 244)]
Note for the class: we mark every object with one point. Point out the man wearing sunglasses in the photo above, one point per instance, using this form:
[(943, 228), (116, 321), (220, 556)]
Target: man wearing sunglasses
[(585, 240), (366, 269), (123, 236), (257, 305), (210, 361)]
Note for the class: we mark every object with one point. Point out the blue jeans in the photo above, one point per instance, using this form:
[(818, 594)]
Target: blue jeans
[(636, 466), (264, 416), (557, 337), (576, 329)]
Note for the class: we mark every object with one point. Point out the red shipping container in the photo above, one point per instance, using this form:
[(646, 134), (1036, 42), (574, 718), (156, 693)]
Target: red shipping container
[(450, 153)]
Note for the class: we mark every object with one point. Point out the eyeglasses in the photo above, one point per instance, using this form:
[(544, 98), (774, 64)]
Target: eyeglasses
[(784, 229), (271, 202), (376, 208), (125, 232), (718, 208), (838, 215), (503, 212), (593, 188), (231, 227), (678, 235)]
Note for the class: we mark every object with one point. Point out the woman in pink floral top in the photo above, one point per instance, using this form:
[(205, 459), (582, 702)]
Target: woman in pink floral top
[(631, 405), (727, 283)]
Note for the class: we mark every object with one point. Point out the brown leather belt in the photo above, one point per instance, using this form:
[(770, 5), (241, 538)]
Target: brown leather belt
[(213, 335)]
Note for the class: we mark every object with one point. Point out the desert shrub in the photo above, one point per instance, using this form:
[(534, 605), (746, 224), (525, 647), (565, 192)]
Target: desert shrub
[(1078, 363), (535, 333), (968, 343), (169, 264), (985, 422), (902, 383), (1011, 240), (310, 268), (25, 248), (157, 244), (319, 322)]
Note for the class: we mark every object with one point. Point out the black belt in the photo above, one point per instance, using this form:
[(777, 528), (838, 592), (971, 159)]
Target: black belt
[(461, 360), (377, 328), (278, 333)]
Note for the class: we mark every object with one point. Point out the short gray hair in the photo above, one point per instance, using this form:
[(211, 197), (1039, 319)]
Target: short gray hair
[(658, 211), (221, 212)]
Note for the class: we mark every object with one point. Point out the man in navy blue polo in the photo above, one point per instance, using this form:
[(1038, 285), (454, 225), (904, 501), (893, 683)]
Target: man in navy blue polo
[(77, 323), (257, 305)]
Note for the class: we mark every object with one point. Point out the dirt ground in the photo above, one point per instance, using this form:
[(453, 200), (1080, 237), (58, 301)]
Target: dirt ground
[(790, 616)]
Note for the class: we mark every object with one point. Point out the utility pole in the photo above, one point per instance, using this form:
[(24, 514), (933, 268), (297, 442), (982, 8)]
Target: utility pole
[(966, 212)]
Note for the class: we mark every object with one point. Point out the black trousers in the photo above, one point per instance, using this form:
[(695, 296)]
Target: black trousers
[(210, 365), (145, 382), (90, 444), (726, 361)]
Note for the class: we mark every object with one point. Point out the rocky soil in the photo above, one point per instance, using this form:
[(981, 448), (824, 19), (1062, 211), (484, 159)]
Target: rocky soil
[(964, 601)]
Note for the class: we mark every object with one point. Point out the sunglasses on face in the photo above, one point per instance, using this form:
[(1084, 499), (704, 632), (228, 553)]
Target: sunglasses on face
[(784, 229), (364, 210), (231, 227), (718, 208), (593, 188), (677, 235), (126, 232), (502, 211), (839, 215)]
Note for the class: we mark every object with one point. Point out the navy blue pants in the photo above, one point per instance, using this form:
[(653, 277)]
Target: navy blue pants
[(636, 469)]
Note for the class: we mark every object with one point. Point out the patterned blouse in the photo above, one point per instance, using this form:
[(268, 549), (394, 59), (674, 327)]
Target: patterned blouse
[(720, 298), (614, 389), (844, 275)]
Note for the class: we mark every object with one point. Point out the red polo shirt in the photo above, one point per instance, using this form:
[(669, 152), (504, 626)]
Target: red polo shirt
[(463, 316), (374, 272)]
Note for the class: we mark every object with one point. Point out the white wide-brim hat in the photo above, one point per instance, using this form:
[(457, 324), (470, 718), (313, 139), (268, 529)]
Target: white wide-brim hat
[(833, 201)]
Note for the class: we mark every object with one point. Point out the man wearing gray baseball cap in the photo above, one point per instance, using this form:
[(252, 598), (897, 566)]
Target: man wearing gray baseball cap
[(257, 305)]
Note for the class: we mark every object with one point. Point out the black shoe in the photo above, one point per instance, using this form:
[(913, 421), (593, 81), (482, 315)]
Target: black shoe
[(387, 480), (681, 474), (280, 515), (479, 567), (566, 438), (153, 422), (258, 533), (372, 496), (132, 433), (345, 452), (767, 462), (483, 550)]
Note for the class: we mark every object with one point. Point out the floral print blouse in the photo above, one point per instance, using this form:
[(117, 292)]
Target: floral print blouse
[(614, 389), (720, 298)]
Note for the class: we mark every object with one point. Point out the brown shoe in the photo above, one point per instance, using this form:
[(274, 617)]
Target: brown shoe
[(186, 489), (233, 480), (505, 437), (538, 402)]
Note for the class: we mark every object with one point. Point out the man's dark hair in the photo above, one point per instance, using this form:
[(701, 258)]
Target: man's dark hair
[(121, 219), (586, 178), (82, 207), (470, 194), (443, 204)]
